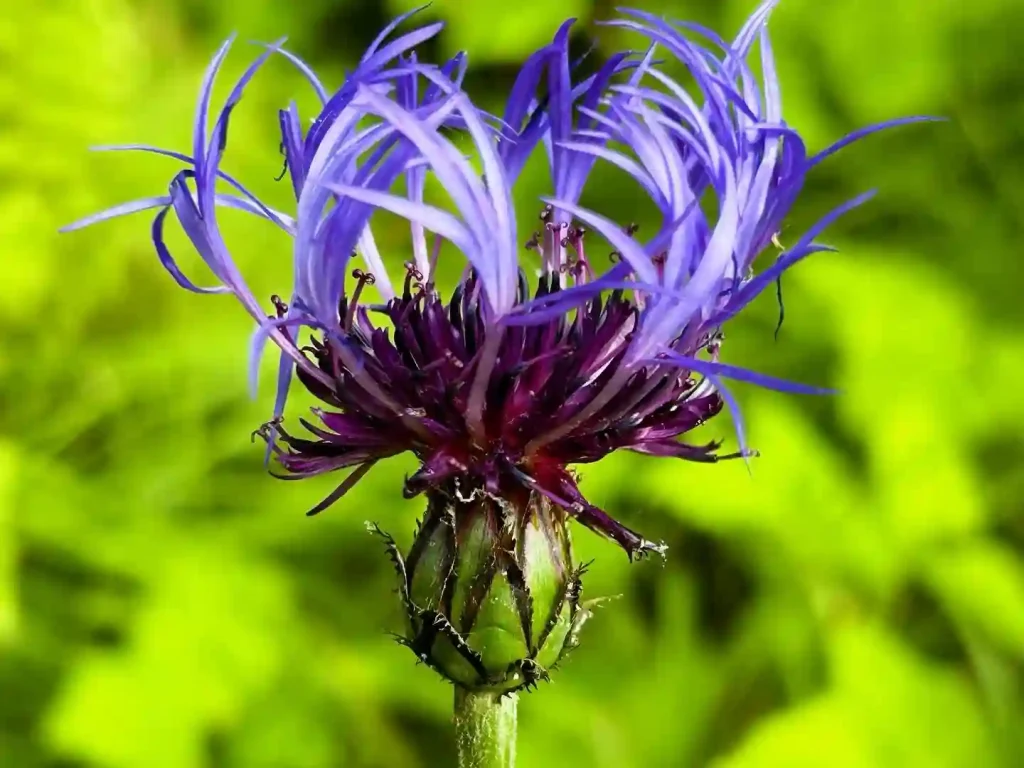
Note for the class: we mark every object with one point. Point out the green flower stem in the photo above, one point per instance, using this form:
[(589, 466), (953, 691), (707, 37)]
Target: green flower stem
[(485, 729)]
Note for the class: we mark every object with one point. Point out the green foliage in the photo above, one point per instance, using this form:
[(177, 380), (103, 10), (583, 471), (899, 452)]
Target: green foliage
[(855, 599)]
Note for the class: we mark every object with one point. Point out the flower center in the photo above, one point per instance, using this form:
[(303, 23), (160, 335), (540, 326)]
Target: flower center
[(406, 385)]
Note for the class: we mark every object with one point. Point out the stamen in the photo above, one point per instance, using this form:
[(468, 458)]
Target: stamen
[(582, 266), (411, 273), (553, 255), (279, 305), (364, 278), (550, 247)]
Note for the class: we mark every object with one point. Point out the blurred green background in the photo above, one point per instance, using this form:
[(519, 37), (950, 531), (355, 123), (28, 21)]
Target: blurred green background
[(858, 600)]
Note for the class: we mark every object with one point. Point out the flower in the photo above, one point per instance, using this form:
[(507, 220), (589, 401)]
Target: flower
[(503, 384)]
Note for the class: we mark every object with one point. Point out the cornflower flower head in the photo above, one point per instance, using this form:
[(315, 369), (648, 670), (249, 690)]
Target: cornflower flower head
[(541, 357)]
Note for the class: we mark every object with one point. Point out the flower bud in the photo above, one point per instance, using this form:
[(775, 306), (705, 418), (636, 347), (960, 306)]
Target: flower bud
[(491, 594)]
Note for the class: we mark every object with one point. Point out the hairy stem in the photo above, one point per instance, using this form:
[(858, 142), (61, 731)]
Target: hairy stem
[(485, 729)]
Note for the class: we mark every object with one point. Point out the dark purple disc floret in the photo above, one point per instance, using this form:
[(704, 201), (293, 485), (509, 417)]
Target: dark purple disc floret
[(541, 357), (544, 376)]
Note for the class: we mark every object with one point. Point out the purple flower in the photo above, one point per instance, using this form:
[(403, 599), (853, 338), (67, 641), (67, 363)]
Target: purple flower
[(499, 386)]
